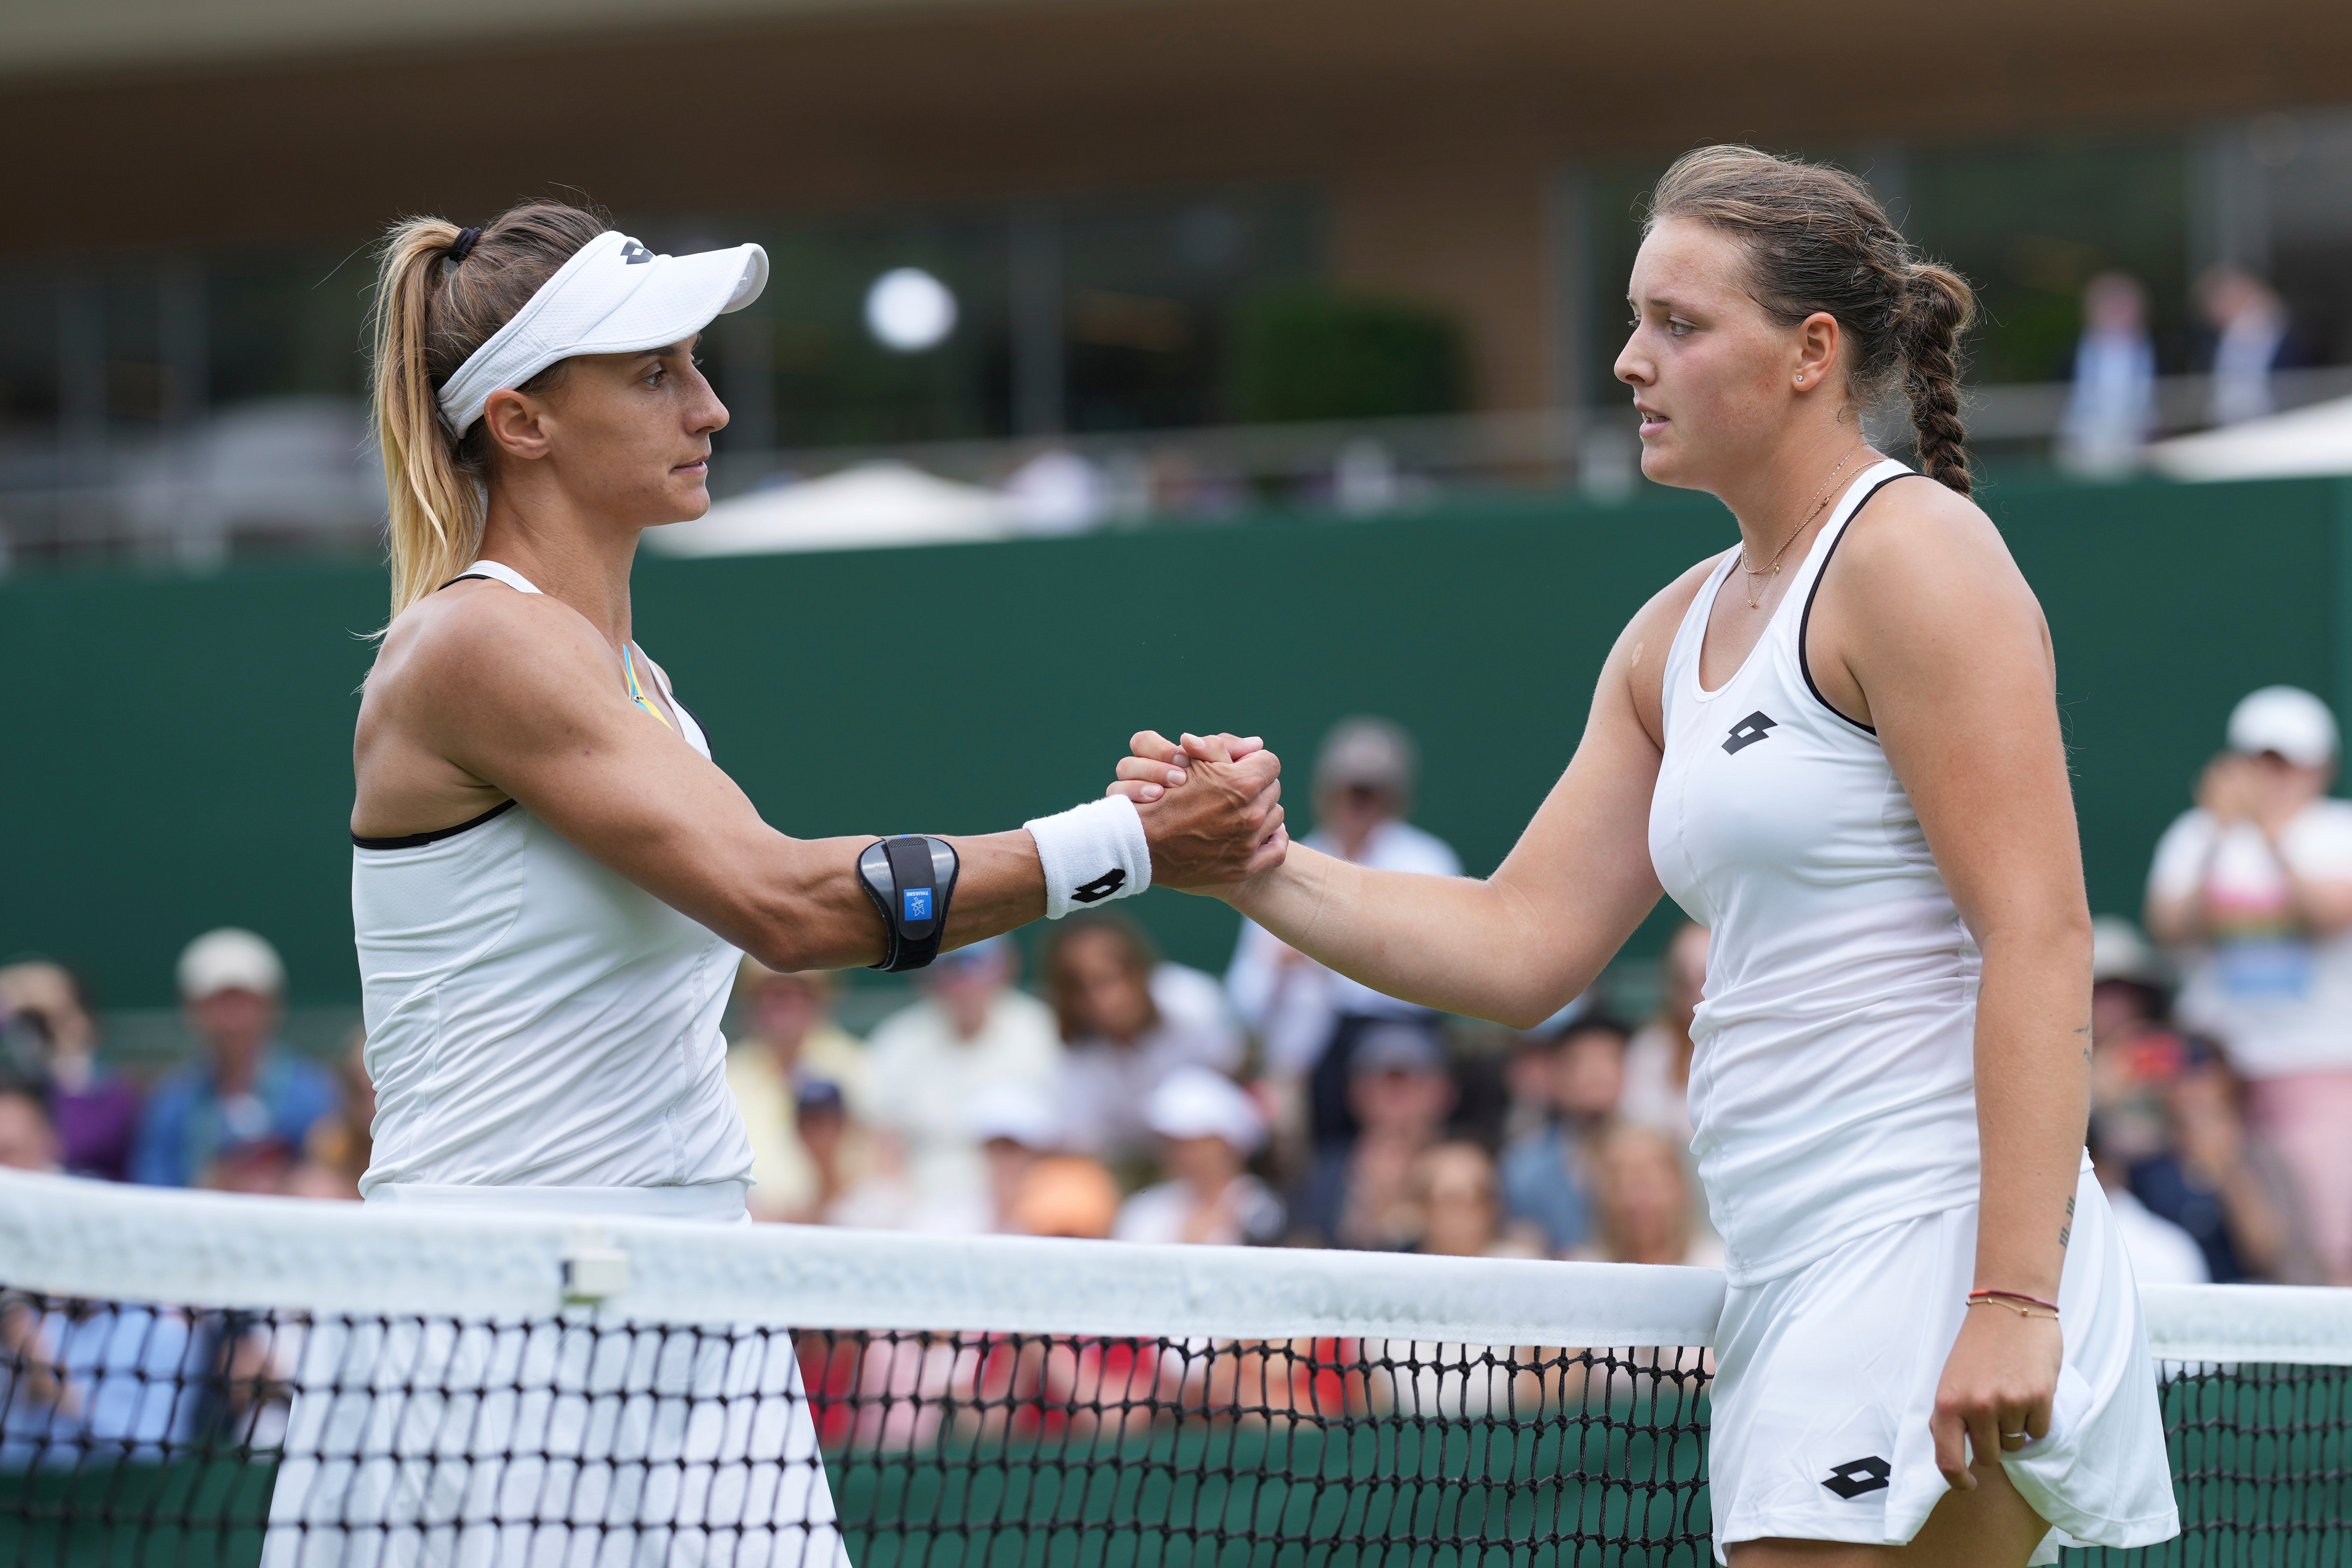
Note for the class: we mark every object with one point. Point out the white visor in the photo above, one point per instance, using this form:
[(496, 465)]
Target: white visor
[(612, 297)]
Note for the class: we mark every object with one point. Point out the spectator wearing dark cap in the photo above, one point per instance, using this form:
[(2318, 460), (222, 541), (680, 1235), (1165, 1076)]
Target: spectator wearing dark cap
[(1359, 1194), (96, 1111), (2253, 889), (1548, 1183), (860, 1180), (245, 1088), (788, 1040), (1309, 1018)]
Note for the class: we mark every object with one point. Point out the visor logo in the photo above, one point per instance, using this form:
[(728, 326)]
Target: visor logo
[(918, 903), (1101, 887), (632, 253)]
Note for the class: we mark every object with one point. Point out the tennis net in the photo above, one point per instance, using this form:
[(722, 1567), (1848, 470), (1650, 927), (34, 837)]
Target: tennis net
[(189, 1378)]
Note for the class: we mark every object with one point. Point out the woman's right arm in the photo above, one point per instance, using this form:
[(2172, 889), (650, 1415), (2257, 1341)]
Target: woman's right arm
[(1516, 946), (555, 730)]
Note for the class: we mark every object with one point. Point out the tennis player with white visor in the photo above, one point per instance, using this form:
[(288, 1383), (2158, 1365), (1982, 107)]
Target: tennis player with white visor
[(1837, 747), (552, 881)]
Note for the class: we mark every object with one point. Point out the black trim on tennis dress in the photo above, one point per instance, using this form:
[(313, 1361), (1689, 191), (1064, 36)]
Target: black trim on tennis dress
[(418, 840), (1805, 621)]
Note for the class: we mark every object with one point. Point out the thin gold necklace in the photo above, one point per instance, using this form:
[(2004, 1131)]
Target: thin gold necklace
[(1772, 568)]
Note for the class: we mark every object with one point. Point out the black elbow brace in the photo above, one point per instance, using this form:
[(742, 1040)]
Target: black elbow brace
[(911, 879)]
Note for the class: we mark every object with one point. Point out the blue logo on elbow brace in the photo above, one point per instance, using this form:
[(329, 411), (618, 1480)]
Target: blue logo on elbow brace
[(918, 904)]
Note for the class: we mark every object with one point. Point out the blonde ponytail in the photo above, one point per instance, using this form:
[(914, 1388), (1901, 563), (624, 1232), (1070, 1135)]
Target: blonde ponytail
[(431, 313)]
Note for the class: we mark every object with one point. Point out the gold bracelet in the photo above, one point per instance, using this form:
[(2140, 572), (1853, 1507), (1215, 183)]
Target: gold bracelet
[(2020, 1309)]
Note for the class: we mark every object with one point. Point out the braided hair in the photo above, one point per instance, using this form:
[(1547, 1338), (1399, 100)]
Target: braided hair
[(1819, 241)]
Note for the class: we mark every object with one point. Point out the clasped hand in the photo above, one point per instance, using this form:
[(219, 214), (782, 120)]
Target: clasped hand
[(1211, 807)]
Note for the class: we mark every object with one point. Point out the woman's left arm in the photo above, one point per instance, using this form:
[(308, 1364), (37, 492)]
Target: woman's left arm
[(1927, 627)]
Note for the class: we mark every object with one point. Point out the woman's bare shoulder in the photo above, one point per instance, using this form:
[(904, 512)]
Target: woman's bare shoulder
[(1639, 659), (1923, 578), (1918, 534), (481, 647)]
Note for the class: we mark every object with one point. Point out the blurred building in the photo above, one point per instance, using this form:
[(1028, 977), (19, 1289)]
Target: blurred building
[(1147, 215)]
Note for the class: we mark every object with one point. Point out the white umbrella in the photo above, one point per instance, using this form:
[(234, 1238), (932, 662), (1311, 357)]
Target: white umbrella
[(2313, 441), (871, 505)]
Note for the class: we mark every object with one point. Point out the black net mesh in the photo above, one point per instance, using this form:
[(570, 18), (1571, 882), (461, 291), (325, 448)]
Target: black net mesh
[(137, 1436)]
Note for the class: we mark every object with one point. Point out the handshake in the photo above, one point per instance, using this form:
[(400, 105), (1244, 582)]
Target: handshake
[(1210, 805)]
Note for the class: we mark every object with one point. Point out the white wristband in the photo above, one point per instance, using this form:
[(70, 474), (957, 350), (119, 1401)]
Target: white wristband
[(1092, 854)]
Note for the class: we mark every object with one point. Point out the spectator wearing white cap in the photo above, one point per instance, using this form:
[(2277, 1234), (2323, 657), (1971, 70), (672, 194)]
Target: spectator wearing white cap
[(1128, 1020), (927, 1062), (1309, 1018), (245, 1088), (2253, 889), (1208, 1127)]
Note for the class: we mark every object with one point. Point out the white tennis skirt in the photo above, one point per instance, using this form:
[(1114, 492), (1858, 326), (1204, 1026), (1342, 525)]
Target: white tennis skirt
[(1826, 1379), (573, 1442)]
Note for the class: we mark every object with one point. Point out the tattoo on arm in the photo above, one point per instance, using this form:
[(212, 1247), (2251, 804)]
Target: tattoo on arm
[(2067, 1230)]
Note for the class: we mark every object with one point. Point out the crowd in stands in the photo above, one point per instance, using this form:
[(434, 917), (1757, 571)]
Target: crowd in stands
[(2246, 334), (1126, 1095)]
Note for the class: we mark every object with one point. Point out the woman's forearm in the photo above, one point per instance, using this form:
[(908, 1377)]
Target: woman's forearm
[(2033, 1076), (1456, 943)]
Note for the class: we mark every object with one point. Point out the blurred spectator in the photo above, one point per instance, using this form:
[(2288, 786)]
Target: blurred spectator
[(970, 1028), (1066, 1196), (1458, 1200), (2250, 341), (2161, 1253), (28, 1140), (1400, 1094), (246, 1086), (1016, 1125), (1658, 1057), (337, 1149), (1526, 1079), (1641, 1210), (859, 1180), (2231, 1193), (259, 1167), (1128, 1020), (2134, 1057), (1209, 1127), (2111, 412), (2254, 887), (789, 1040), (1548, 1178), (1308, 1018), (96, 1113)]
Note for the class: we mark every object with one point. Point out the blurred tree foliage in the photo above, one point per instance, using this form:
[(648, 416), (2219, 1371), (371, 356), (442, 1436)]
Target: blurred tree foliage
[(1313, 352)]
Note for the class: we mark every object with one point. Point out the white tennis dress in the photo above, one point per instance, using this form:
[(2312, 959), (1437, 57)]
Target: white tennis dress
[(1833, 1098), (544, 1033)]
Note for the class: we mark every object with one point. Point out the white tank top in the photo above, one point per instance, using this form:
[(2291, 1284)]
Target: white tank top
[(537, 1020), (1833, 1087)]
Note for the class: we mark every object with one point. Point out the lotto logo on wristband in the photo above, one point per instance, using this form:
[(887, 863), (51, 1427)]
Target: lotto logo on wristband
[(1101, 887), (918, 903)]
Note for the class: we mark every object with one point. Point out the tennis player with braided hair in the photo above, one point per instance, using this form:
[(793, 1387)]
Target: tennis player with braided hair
[(552, 881), (1836, 745)]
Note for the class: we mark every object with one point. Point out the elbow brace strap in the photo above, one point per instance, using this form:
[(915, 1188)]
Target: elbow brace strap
[(911, 879)]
